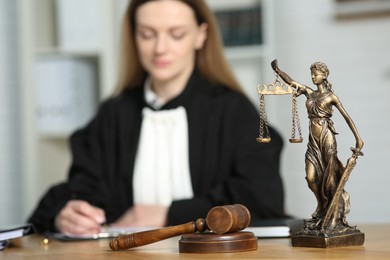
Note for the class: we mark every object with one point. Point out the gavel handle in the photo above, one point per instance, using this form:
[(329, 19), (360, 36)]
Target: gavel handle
[(150, 236)]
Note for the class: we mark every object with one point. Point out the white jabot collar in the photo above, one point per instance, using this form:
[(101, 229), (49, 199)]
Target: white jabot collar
[(161, 170)]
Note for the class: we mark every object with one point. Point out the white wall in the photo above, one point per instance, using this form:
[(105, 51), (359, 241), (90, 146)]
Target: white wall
[(10, 134), (357, 52)]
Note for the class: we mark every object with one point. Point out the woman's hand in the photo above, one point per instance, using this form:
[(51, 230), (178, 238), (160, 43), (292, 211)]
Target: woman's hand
[(79, 217), (143, 216)]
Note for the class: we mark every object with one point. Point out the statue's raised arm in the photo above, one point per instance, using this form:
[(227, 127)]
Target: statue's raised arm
[(286, 78)]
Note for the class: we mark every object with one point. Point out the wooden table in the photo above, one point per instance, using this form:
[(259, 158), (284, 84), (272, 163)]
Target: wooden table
[(376, 246)]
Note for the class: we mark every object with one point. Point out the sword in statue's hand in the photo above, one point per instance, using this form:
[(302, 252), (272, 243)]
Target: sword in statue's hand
[(356, 152)]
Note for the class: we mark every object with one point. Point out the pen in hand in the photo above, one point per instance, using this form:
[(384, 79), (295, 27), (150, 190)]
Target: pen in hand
[(79, 217)]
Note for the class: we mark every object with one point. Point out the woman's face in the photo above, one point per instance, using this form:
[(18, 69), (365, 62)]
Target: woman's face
[(167, 37), (317, 76)]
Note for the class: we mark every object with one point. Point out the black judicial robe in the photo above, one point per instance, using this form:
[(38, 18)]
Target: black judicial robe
[(227, 165)]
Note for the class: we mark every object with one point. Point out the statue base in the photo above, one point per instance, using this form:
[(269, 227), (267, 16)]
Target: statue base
[(341, 236), (325, 242)]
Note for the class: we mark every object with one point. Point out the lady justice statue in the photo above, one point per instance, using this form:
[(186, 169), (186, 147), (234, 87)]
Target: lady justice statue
[(325, 174)]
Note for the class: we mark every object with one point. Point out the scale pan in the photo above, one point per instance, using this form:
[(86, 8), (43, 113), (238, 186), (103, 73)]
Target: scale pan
[(265, 140), (295, 140)]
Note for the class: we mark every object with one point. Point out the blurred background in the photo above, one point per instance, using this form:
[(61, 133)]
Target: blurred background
[(58, 60)]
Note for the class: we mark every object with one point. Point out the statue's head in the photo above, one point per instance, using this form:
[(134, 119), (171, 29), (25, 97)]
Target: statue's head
[(321, 67)]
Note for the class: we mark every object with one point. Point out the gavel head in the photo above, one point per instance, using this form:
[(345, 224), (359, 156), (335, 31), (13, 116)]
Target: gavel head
[(229, 218)]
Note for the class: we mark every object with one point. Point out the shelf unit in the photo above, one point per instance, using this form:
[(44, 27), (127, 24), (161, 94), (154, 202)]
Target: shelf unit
[(251, 63), (46, 157)]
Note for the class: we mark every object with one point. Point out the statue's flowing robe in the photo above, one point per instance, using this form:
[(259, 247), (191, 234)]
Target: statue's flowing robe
[(322, 153)]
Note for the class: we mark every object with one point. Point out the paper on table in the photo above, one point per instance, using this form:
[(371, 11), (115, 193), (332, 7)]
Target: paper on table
[(267, 232), (14, 232), (108, 232), (273, 228)]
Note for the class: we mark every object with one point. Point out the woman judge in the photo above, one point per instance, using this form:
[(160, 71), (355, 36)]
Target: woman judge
[(177, 138)]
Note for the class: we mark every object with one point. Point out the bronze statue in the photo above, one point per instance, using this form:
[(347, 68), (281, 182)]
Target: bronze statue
[(325, 173)]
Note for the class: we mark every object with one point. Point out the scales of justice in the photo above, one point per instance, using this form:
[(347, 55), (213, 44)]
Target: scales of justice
[(325, 174)]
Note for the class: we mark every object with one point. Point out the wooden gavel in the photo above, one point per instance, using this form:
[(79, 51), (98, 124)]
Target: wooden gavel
[(220, 220)]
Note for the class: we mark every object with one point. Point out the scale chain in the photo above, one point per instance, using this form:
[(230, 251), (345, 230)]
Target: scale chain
[(263, 125), (295, 121)]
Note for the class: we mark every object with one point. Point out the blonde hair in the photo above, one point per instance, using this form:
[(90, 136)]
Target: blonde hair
[(210, 60)]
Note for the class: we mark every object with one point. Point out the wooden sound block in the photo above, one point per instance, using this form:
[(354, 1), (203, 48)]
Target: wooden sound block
[(215, 243)]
